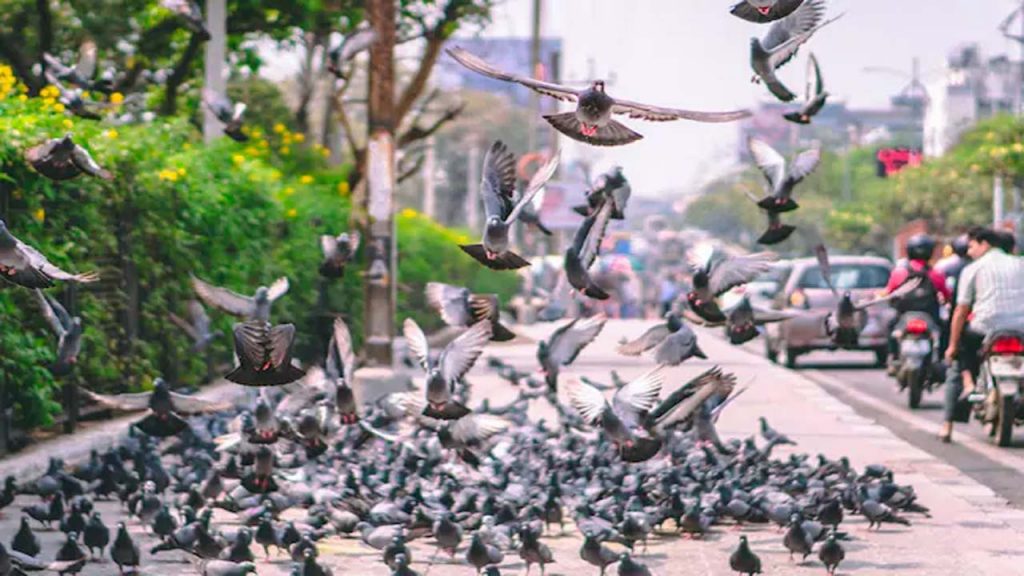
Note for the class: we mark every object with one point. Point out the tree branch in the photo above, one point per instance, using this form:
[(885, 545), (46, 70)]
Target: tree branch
[(412, 170), (45, 27), (436, 37), (415, 132), (178, 75)]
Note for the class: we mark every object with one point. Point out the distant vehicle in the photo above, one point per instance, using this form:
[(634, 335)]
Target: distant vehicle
[(763, 289), (802, 288)]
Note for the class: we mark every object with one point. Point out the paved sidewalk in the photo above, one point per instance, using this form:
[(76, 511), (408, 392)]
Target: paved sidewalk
[(971, 532)]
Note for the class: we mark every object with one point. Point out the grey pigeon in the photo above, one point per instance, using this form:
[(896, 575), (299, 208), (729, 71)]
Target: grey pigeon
[(771, 434), (338, 251), (777, 231), (609, 187), (23, 265), (124, 552), (815, 96), (460, 308), (796, 540), (781, 43), (630, 567), (164, 407), (62, 159), (401, 567), (481, 554), (226, 568), (845, 323), (742, 321), (448, 369), (743, 560), (25, 540), (70, 551), (497, 191), (780, 179), (197, 327), (231, 114), (68, 330), (351, 45), (340, 367), (255, 307), (714, 275), (264, 354), (678, 347), (763, 11), (592, 121), (652, 337), (595, 553), (81, 74), (448, 534), (584, 250), (190, 14), (878, 514), (96, 535), (19, 563), (565, 344), (831, 553)]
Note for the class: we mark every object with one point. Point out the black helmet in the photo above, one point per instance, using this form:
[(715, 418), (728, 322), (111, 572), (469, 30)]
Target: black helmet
[(920, 247), (959, 245)]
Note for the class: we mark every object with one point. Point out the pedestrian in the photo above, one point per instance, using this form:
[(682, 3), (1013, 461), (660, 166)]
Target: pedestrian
[(990, 292)]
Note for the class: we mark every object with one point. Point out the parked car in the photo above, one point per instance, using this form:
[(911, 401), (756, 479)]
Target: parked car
[(804, 290)]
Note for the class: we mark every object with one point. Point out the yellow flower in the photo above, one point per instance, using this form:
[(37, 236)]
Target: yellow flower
[(343, 189), (238, 159), (293, 213), (112, 134), (306, 179), (285, 150), (58, 107), (68, 124), (116, 98), (22, 97), (325, 152), (169, 175), (279, 128), (299, 137), (39, 215), (409, 213), (289, 191), (181, 172)]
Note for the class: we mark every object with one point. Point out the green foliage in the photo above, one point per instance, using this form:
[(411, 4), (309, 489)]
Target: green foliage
[(237, 215)]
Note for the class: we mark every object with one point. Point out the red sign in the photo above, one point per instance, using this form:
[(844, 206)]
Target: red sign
[(892, 160)]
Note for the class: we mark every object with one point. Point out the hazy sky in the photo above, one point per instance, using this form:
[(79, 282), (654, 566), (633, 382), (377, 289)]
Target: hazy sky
[(694, 54)]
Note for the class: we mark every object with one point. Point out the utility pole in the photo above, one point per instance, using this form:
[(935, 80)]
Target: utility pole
[(380, 175), (429, 189), (216, 50)]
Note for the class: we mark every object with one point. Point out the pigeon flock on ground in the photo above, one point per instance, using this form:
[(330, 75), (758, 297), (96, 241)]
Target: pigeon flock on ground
[(304, 462)]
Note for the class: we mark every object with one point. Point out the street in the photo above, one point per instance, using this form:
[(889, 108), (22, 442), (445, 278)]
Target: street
[(971, 531)]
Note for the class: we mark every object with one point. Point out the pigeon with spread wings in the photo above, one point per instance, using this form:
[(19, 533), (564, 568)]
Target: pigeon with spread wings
[(497, 191), (781, 179), (68, 330), (781, 43), (229, 113), (460, 308), (815, 96), (264, 354), (714, 276), (586, 246), (845, 323), (81, 74), (652, 337), (164, 407), (341, 368), (448, 369), (351, 45), (62, 159), (742, 321), (592, 121), (255, 307), (338, 252), (23, 265), (197, 327), (565, 344)]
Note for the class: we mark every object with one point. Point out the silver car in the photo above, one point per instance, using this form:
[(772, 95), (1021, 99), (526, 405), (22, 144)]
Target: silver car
[(804, 290)]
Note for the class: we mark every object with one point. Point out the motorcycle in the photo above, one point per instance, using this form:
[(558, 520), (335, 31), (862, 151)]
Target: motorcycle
[(916, 368), (1001, 385)]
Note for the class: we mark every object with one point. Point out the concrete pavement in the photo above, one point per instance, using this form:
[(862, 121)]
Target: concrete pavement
[(972, 530)]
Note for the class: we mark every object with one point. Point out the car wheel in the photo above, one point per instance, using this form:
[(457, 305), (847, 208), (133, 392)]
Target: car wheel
[(790, 359)]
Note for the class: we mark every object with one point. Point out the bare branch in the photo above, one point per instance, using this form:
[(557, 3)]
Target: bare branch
[(403, 175), (416, 132), (178, 75)]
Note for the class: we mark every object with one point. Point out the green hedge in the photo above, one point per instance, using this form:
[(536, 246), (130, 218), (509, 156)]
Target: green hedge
[(234, 214)]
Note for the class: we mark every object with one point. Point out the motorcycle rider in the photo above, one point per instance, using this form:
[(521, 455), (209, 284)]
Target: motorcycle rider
[(990, 293), (924, 299)]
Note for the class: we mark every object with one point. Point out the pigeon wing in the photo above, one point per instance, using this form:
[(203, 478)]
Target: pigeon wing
[(281, 339), (355, 43), (639, 396), (184, 325), (649, 339), (586, 400), (451, 302), (661, 114), (251, 342), (800, 22), (567, 345), (223, 299), (342, 346), (416, 340), (537, 182), (499, 180), (277, 289), (592, 243), (478, 65), (86, 66), (50, 314), (738, 270), (476, 428), (194, 405), (124, 402), (768, 161), (900, 292), (804, 164), (815, 84), (460, 355)]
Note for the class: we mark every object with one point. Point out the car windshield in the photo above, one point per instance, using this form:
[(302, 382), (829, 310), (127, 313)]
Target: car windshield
[(847, 277)]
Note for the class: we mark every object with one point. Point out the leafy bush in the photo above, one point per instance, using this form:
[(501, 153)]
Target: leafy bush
[(237, 215)]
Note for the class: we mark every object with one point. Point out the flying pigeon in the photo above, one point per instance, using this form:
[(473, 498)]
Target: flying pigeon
[(458, 307), (341, 367), (678, 347), (781, 43), (497, 191), (61, 159), (67, 329), (564, 344), (197, 326), (821, 253), (585, 248), (815, 97), (448, 369), (351, 45), (190, 13), (255, 307), (74, 100), (652, 337), (592, 121), (714, 276), (777, 231), (228, 112), (531, 212), (164, 407), (764, 11), (845, 323), (264, 354), (611, 186), (83, 71), (781, 181), (742, 321), (23, 265), (338, 252)]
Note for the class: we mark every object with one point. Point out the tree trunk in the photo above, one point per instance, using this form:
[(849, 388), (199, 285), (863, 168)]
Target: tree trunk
[(179, 75)]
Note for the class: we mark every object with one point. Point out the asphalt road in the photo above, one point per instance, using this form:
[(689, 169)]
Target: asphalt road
[(852, 377)]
